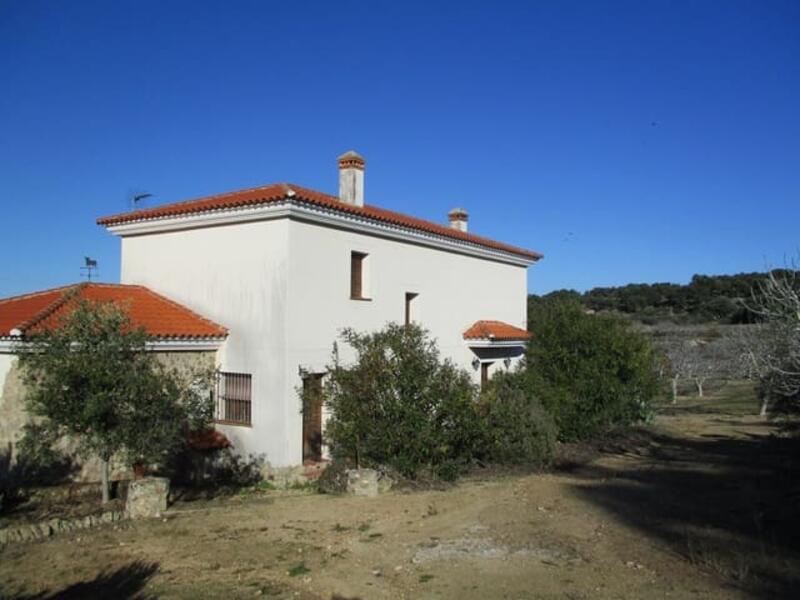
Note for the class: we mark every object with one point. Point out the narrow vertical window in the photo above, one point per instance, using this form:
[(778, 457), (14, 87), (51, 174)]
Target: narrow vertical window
[(357, 275), (409, 301)]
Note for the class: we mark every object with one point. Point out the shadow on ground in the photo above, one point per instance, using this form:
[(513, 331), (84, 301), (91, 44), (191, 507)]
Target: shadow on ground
[(730, 505), (125, 583)]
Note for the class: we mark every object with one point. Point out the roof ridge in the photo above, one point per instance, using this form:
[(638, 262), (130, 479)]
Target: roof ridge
[(303, 188), (108, 284), (38, 293), (179, 203), (278, 191), (50, 308), (463, 235)]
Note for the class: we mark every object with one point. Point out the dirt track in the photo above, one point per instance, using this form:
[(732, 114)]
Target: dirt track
[(676, 512)]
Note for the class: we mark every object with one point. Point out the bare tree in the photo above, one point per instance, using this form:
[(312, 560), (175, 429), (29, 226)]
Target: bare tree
[(679, 365), (705, 361), (775, 353), (753, 352)]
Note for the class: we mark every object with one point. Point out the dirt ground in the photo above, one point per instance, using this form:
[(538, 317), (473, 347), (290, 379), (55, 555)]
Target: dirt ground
[(700, 505)]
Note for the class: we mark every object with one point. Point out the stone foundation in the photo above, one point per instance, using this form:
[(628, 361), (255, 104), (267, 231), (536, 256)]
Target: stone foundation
[(35, 531), (284, 477)]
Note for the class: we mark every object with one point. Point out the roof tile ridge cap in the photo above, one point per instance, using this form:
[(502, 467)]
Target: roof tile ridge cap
[(300, 189), (187, 309), (38, 293), (145, 211), (51, 308), (107, 284), (448, 231)]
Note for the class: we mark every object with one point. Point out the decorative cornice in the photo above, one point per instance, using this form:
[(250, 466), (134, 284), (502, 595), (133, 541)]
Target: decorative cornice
[(198, 345), (314, 213), (8, 344)]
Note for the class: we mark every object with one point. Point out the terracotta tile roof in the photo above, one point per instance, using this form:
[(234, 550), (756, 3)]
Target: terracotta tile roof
[(160, 317), (278, 192), (495, 330)]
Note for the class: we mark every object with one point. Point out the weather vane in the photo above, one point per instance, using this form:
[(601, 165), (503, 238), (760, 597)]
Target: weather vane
[(90, 268)]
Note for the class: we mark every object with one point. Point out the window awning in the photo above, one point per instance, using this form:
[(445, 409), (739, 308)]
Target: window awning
[(495, 334)]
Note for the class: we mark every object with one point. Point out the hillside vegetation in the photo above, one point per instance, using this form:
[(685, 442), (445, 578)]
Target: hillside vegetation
[(706, 298)]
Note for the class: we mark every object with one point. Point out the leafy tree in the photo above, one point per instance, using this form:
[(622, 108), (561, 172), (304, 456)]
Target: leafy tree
[(91, 379), (591, 372), (400, 405)]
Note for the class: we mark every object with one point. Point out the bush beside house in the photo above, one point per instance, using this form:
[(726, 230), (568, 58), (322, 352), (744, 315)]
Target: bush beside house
[(591, 372), (400, 406)]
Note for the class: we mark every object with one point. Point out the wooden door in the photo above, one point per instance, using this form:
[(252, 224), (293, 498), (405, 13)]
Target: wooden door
[(312, 417)]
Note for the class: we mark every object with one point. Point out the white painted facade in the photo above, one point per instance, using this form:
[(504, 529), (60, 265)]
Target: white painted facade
[(278, 277)]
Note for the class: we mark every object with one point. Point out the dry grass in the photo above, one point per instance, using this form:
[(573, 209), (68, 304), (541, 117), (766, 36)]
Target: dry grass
[(692, 507)]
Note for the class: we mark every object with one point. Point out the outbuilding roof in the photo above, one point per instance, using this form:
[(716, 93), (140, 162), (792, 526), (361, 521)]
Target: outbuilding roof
[(159, 316), (497, 331), (279, 192)]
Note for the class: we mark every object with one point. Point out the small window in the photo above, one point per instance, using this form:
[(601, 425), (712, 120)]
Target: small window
[(409, 301), (233, 397), (357, 260)]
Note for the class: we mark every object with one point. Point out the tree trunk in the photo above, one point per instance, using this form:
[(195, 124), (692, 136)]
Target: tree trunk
[(699, 389), (764, 405), (674, 390), (104, 479)]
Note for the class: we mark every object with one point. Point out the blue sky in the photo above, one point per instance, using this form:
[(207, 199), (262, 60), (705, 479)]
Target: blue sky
[(627, 141)]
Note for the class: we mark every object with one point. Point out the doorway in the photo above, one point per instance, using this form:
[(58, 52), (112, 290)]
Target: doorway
[(485, 373), (312, 417)]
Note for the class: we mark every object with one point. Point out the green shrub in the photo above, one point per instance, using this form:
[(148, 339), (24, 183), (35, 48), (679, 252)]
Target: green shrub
[(400, 405), (591, 372), (517, 428), (334, 478)]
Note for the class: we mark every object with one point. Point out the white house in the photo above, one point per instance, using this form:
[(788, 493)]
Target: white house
[(284, 268)]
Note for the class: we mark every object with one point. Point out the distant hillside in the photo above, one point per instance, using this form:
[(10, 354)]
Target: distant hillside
[(706, 299)]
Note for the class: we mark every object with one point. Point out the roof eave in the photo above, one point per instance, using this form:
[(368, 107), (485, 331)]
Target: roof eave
[(495, 343), (305, 209)]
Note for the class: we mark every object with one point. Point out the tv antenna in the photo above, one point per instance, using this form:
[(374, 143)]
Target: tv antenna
[(90, 268), (138, 197)]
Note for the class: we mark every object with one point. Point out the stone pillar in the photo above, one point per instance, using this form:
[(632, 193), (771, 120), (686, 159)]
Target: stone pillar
[(147, 497), (367, 482)]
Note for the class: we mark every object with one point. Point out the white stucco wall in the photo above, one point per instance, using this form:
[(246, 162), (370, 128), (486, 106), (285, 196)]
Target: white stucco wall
[(282, 288), (453, 291), (236, 276)]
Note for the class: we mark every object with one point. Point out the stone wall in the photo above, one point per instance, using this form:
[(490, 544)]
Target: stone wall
[(13, 415), (12, 408)]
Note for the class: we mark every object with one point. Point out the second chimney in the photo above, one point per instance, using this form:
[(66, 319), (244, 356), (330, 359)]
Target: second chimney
[(351, 178), (458, 219)]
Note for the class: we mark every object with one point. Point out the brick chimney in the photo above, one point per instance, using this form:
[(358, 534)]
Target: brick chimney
[(351, 178), (458, 219)]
